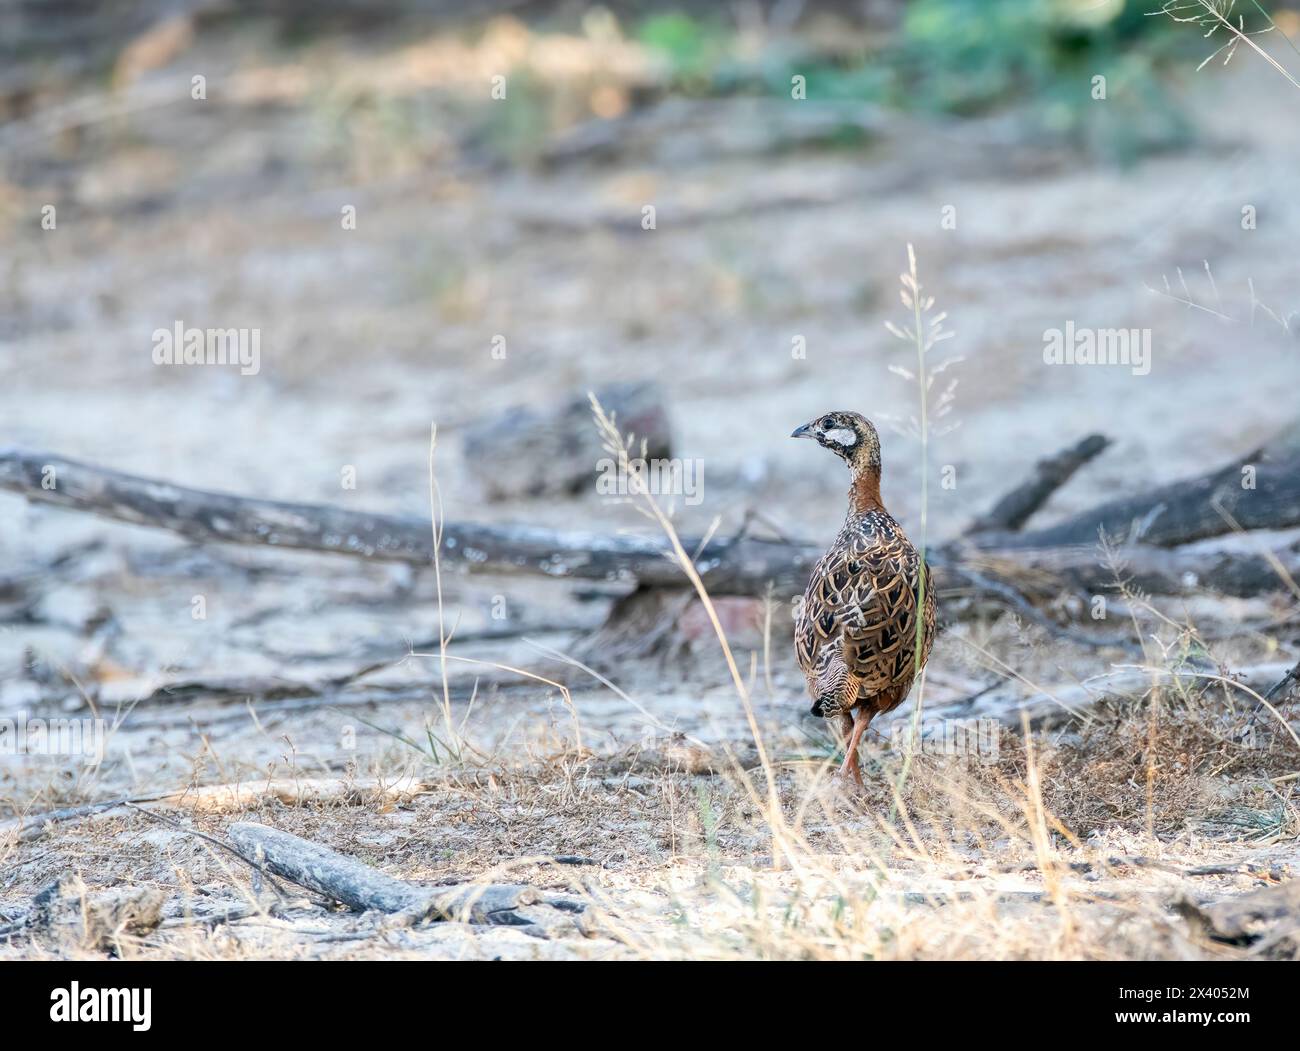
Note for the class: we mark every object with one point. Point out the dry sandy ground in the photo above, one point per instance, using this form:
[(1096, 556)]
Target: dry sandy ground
[(228, 215)]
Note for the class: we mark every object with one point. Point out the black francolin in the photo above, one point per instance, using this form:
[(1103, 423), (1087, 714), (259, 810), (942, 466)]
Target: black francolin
[(856, 631)]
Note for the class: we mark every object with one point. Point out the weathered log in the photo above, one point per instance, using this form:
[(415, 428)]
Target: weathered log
[(66, 909), (1258, 491), (1014, 509), (215, 799), (1156, 570), (323, 870), (527, 452), (741, 567), (1270, 915), (363, 888), (729, 566)]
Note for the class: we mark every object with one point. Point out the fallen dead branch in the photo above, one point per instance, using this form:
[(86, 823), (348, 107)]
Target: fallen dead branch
[(742, 565), (1258, 491), (365, 889), (67, 911), (1266, 919), (1156, 570), (324, 871), (1014, 509), (228, 798), (203, 515), (232, 798), (26, 828)]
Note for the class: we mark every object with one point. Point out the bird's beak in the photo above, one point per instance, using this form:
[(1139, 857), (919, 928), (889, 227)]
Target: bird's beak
[(805, 431)]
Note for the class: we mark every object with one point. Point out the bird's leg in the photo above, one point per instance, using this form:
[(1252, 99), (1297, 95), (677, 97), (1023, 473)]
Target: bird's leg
[(846, 728), (861, 720)]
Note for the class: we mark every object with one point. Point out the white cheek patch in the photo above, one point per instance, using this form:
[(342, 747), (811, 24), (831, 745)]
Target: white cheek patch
[(841, 436)]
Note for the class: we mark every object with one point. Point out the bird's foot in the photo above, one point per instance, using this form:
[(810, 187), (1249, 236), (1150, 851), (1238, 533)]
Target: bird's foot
[(846, 794), (848, 779)]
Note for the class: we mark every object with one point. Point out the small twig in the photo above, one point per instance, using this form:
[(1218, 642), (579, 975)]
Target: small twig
[(1276, 689), (30, 828), (261, 870)]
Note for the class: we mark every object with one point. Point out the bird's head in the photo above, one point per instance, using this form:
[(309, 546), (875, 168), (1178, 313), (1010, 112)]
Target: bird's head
[(847, 434)]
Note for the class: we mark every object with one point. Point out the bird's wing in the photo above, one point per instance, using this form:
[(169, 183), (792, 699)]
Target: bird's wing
[(879, 626), (817, 620)]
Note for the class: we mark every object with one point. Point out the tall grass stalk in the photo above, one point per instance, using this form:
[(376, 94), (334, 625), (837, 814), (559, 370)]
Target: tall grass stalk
[(925, 333), (616, 445)]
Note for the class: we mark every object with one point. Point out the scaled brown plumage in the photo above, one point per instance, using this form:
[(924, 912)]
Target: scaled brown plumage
[(855, 633)]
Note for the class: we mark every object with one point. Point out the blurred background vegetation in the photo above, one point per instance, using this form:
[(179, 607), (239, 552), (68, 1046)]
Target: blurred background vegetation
[(777, 217), (943, 57)]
